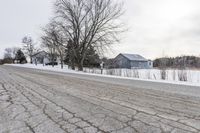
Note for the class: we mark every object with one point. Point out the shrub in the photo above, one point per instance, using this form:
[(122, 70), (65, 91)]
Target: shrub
[(163, 74), (111, 72), (182, 75), (136, 74), (7, 61)]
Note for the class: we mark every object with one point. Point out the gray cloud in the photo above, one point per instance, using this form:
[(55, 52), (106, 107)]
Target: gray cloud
[(171, 27), (160, 25)]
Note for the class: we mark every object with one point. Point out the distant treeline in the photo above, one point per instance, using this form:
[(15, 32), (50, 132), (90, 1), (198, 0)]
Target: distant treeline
[(178, 62)]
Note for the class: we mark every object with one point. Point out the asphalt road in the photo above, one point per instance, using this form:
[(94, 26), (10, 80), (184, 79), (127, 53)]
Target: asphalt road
[(35, 101)]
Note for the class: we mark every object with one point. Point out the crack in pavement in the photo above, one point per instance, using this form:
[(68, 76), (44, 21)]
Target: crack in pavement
[(34, 102)]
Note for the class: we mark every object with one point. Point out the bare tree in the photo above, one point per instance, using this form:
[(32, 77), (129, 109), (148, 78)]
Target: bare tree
[(8, 56), (47, 43), (69, 56), (89, 23), (29, 47), (61, 52), (14, 52), (8, 53), (11, 53), (54, 40)]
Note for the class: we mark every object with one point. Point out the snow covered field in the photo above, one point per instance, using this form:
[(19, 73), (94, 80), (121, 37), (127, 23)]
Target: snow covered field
[(152, 74), (184, 77)]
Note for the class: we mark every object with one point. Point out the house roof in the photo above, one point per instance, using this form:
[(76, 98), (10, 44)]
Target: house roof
[(40, 52), (134, 57)]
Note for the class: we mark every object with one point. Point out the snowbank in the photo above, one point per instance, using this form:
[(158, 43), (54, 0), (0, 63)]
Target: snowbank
[(41, 67), (180, 77)]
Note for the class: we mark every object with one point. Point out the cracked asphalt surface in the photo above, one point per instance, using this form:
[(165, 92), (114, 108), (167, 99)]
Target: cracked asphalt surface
[(35, 101)]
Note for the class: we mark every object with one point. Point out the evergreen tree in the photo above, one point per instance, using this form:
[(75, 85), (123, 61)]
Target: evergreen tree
[(20, 57), (92, 58)]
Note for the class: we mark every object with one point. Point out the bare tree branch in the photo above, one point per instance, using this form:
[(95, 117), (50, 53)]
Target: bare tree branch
[(89, 23)]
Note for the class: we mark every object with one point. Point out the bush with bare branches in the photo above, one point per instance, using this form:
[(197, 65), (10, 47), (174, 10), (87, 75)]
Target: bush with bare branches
[(182, 75)]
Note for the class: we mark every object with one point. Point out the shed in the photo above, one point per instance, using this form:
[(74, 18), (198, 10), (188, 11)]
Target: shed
[(132, 61)]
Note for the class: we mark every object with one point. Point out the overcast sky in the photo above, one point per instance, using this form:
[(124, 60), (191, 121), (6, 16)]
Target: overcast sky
[(156, 27)]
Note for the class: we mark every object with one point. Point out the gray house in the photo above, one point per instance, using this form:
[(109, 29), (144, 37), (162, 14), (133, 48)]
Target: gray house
[(44, 58), (132, 61), (41, 57)]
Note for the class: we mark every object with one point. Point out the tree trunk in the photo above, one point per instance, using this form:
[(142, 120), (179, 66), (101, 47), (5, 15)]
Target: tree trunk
[(52, 61), (53, 56), (80, 65), (43, 61), (61, 63), (61, 60), (73, 65), (72, 62)]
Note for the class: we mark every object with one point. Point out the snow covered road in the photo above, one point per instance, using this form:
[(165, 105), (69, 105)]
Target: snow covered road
[(39, 101)]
